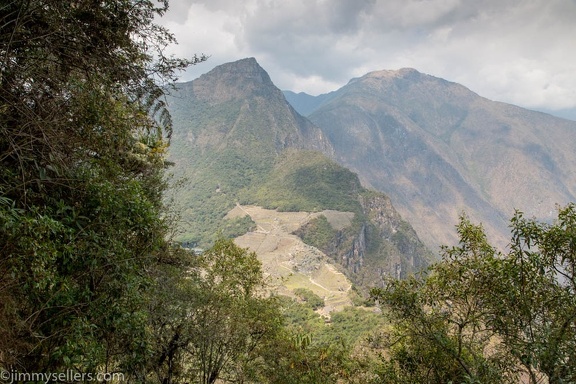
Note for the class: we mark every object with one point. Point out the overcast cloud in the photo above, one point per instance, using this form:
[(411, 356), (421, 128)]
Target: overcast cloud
[(517, 51)]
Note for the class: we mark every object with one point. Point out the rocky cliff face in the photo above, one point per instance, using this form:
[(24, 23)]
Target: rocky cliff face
[(353, 257), (397, 234), (378, 243)]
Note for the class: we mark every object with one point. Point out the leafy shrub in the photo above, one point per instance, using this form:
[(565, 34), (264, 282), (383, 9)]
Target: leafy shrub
[(318, 232), (310, 298), (238, 226)]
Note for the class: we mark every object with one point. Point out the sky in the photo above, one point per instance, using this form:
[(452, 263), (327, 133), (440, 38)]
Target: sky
[(521, 52)]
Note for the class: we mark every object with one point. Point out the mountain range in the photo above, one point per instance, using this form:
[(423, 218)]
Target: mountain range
[(438, 150), (405, 153), (237, 144)]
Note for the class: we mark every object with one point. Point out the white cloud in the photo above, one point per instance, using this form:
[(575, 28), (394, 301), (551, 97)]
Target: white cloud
[(517, 51), (200, 30)]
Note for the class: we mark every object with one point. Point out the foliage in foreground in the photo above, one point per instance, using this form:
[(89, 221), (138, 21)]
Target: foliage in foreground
[(484, 316), (83, 130), (211, 321), (215, 322)]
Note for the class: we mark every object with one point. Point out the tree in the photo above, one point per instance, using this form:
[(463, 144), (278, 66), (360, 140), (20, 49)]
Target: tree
[(480, 315), (310, 298), (83, 131), (534, 308), (440, 333), (216, 319), (231, 316), (292, 358)]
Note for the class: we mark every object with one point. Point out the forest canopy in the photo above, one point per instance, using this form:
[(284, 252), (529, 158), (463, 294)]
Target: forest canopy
[(83, 130)]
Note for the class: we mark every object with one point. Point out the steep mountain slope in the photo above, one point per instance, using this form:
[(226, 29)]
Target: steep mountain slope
[(237, 141), (438, 149), (229, 126)]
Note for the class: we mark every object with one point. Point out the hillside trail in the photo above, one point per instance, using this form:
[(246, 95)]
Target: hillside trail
[(289, 263)]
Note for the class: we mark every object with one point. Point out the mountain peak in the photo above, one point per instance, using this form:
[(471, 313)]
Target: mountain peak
[(240, 92), (402, 75), (247, 69), (232, 81), (394, 74), (390, 74), (437, 148)]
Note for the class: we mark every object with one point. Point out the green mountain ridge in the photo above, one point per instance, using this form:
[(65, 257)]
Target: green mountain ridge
[(309, 181), (237, 140), (378, 242)]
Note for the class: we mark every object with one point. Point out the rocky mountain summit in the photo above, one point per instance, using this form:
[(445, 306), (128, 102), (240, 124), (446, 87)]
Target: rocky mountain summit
[(237, 103)]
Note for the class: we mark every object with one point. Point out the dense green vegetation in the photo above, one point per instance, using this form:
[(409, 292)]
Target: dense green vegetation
[(212, 178), (309, 181), (238, 226), (310, 298), (350, 326), (207, 193), (484, 316), (318, 233), (83, 130), (294, 181), (211, 322)]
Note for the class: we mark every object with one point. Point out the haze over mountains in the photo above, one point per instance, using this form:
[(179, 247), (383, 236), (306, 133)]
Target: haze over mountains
[(433, 146), (437, 149)]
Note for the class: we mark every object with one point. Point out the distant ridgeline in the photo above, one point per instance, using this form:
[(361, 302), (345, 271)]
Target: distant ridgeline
[(237, 140), (437, 149)]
